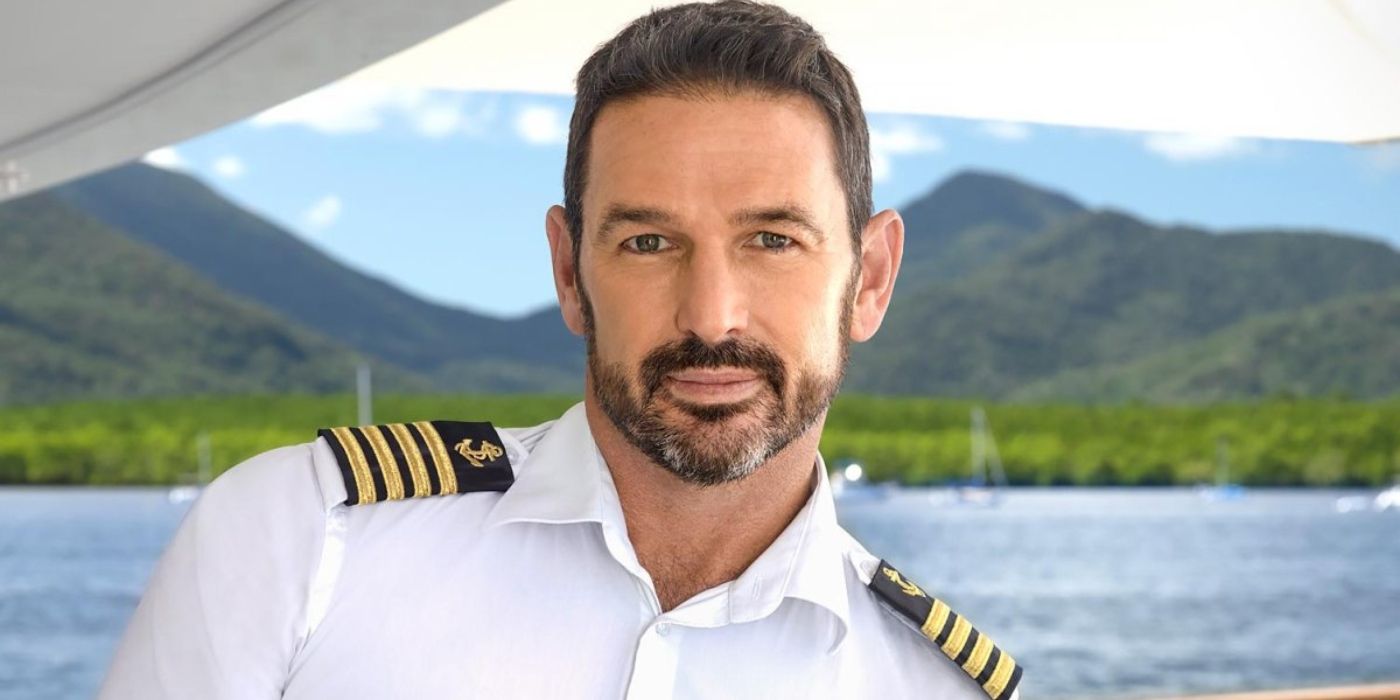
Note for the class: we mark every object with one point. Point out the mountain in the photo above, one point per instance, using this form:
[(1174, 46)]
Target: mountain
[(85, 312), (253, 258), (972, 219), (1102, 288), (139, 281), (1346, 347)]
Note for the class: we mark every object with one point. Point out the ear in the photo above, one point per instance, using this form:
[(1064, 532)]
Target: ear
[(561, 258), (881, 249)]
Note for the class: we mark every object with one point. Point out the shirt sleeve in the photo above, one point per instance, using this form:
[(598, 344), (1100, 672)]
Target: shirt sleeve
[(225, 609)]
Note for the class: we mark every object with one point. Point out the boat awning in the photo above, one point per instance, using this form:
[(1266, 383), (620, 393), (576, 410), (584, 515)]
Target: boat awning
[(88, 85)]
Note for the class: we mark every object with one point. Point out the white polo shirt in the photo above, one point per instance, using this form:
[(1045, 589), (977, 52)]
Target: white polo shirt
[(274, 588)]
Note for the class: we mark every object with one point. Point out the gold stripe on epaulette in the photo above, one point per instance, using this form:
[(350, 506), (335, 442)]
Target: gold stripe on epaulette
[(441, 460), (997, 683), (364, 482), (937, 618), (388, 465), (422, 485), (981, 651), (956, 640), (973, 652)]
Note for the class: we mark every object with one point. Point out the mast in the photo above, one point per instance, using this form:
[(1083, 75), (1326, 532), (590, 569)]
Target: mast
[(366, 394), (1222, 461), (984, 450), (204, 450), (979, 446)]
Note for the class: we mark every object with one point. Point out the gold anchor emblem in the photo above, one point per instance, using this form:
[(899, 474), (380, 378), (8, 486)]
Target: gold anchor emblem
[(486, 452), (906, 586)]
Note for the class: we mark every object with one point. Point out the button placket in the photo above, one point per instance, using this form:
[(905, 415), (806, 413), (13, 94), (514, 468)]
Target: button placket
[(654, 666)]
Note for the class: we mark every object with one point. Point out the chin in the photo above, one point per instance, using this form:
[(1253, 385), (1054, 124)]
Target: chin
[(718, 414)]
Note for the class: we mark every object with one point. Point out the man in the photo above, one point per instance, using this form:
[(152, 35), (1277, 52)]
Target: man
[(673, 535)]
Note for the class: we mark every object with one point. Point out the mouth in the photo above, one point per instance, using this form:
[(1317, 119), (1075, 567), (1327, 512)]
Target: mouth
[(706, 386)]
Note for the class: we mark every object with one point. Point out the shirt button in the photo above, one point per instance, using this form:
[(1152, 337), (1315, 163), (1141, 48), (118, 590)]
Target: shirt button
[(663, 628)]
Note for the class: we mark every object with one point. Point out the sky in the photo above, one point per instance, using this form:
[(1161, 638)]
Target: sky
[(444, 194)]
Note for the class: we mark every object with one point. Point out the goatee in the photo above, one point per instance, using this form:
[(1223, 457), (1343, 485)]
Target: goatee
[(710, 444)]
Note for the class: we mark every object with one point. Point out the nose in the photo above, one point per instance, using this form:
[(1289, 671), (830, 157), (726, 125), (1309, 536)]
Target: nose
[(713, 300)]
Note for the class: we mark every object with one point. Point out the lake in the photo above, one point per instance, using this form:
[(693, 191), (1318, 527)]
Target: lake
[(1100, 593)]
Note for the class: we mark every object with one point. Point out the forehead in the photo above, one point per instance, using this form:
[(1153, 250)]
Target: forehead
[(713, 153)]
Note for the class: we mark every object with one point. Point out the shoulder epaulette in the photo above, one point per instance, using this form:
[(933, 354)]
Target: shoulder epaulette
[(426, 458), (973, 652)]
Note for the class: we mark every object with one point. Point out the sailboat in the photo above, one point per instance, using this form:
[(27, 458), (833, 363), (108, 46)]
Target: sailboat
[(193, 484), (1224, 489), (988, 479), (186, 492)]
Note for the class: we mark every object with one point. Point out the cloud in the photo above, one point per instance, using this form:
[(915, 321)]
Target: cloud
[(354, 108), (438, 121), (166, 157), (322, 213), (541, 125), (898, 140), (1186, 148), (1005, 131), (438, 115), (230, 167)]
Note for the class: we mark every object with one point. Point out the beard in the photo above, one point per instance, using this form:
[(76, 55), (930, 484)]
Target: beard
[(711, 444)]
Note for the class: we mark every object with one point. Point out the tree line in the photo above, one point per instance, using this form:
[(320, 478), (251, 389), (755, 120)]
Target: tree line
[(1278, 442)]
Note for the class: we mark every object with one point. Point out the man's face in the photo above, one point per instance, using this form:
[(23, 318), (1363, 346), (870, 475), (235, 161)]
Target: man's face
[(716, 275)]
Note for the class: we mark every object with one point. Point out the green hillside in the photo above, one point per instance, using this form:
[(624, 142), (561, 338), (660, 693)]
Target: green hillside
[(254, 258), (1009, 292), (1103, 288), (85, 312), (1347, 347)]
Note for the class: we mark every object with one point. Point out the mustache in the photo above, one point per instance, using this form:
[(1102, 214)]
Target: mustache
[(692, 353)]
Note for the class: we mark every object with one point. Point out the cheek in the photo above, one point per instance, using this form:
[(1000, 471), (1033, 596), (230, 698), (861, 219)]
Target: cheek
[(628, 322), (803, 319)]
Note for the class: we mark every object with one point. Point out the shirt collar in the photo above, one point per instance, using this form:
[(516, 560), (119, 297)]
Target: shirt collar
[(560, 481), (806, 562), (564, 479)]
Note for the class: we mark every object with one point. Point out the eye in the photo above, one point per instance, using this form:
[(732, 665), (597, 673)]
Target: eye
[(647, 243), (773, 241)]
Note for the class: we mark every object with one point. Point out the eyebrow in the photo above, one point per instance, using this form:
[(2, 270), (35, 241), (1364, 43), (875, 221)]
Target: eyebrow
[(621, 213), (794, 214)]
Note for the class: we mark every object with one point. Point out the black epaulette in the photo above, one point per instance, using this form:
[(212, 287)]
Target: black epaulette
[(426, 458), (973, 652)]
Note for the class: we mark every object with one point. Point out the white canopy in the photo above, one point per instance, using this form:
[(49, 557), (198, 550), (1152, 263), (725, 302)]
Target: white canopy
[(87, 85)]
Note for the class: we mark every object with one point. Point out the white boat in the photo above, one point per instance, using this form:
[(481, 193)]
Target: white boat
[(1388, 499), (848, 483), (184, 493), (1353, 504)]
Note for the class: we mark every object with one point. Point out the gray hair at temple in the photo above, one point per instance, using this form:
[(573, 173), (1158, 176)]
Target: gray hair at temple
[(732, 46)]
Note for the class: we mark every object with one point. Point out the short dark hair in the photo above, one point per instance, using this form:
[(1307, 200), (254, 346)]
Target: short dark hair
[(730, 46)]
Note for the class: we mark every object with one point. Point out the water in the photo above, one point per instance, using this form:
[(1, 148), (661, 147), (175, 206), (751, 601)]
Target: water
[(1120, 594), (73, 563), (1099, 593)]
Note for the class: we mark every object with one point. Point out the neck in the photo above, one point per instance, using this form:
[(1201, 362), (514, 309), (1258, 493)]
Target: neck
[(689, 537)]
